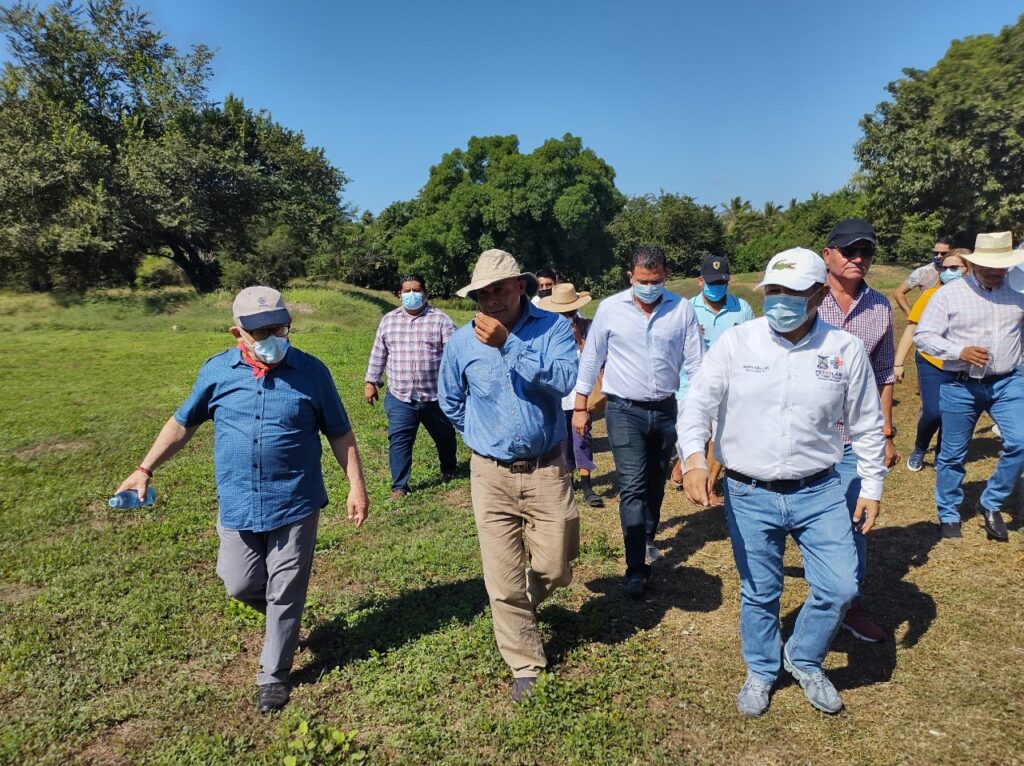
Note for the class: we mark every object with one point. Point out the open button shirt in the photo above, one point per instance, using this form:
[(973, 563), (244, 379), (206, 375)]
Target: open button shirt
[(267, 447), (778, 404)]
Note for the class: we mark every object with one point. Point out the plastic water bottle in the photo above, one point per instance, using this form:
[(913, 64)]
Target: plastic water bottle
[(130, 499)]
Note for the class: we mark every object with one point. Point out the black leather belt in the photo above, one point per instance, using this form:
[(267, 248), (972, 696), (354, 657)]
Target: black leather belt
[(965, 377), (779, 485), (667, 403), (526, 465)]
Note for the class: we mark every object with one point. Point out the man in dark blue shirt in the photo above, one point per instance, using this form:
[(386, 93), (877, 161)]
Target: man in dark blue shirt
[(269, 403)]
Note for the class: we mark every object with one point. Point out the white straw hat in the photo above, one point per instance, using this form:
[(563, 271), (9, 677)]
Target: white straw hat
[(494, 266)]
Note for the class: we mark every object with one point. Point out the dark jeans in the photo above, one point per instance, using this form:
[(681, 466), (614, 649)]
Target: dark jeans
[(577, 449), (404, 419), (642, 441), (929, 381)]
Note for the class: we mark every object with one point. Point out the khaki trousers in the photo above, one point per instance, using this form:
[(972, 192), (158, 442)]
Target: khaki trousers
[(509, 507)]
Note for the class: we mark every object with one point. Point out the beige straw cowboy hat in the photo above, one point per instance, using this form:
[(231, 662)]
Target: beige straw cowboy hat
[(564, 299), (995, 251), (494, 266)]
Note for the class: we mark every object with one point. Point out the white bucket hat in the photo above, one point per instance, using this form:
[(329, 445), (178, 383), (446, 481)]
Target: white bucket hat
[(494, 266), (995, 251)]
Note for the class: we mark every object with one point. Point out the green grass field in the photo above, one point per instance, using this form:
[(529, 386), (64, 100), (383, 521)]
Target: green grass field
[(118, 645)]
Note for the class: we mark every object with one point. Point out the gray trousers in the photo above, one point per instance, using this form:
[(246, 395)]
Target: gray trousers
[(269, 571)]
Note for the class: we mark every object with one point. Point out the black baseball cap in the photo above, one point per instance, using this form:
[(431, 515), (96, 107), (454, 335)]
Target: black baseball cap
[(714, 268), (851, 230)]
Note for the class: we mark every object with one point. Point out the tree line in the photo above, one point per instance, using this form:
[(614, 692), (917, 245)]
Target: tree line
[(116, 168)]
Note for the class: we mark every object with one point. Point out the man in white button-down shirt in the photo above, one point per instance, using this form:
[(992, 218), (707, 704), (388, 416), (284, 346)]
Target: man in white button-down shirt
[(778, 386), (642, 337)]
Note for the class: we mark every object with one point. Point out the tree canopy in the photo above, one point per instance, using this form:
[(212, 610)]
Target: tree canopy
[(111, 149), (945, 155)]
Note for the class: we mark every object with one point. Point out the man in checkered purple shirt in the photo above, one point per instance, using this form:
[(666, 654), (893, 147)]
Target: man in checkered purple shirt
[(409, 344), (853, 306)]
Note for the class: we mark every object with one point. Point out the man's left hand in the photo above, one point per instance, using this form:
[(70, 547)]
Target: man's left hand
[(892, 457), (490, 331), (866, 513), (358, 505)]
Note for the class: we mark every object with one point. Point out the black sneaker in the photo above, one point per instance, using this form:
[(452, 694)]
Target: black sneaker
[(272, 697), (951, 530), (636, 586)]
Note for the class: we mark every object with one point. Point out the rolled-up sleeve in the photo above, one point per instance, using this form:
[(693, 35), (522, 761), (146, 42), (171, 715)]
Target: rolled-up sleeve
[(929, 337), (708, 388)]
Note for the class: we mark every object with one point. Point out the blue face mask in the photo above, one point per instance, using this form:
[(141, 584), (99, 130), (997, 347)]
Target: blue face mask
[(271, 349), (648, 293), (715, 293), (785, 312), (949, 276), (412, 301)]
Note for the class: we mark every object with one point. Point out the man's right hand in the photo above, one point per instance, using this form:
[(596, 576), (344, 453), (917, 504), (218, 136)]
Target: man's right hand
[(136, 482), (370, 393), (581, 422), (974, 355), (695, 482)]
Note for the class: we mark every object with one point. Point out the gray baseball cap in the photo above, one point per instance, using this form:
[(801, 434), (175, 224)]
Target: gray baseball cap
[(257, 307)]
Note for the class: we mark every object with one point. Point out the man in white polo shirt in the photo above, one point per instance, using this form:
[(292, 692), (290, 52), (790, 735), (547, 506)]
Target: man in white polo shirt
[(778, 386)]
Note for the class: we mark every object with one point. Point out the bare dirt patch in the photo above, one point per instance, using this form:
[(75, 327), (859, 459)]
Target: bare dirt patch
[(11, 593), (53, 448)]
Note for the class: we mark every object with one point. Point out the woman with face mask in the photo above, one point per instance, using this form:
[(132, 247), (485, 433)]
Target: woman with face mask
[(929, 369)]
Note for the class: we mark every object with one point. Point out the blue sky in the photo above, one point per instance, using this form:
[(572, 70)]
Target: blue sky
[(713, 99)]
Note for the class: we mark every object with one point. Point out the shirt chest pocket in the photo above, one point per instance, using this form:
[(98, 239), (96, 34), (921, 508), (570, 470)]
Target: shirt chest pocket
[(823, 401), (483, 376)]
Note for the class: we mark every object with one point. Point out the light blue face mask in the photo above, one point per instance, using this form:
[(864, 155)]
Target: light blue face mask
[(648, 293), (949, 276), (785, 312), (716, 293), (271, 349), (412, 301)]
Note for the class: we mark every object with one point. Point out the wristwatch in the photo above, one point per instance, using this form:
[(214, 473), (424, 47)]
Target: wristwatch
[(889, 432)]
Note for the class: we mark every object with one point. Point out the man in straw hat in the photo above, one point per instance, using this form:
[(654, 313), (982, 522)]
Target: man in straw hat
[(579, 455), (777, 386), (974, 326), (501, 384), (269, 403), (642, 337)]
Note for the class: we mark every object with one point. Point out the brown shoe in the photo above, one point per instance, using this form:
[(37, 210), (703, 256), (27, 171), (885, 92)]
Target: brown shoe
[(398, 494)]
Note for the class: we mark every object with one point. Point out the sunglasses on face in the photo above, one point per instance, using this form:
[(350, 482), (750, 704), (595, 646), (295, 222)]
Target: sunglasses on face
[(940, 253), (852, 252), (265, 332)]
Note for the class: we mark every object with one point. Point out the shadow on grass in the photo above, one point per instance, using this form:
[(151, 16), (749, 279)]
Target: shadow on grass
[(384, 305), (390, 623), (893, 602)]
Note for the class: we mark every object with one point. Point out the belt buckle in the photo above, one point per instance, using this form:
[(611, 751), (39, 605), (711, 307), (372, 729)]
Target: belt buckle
[(521, 466)]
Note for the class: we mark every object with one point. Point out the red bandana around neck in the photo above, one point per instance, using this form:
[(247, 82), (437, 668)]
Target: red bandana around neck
[(259, 369)]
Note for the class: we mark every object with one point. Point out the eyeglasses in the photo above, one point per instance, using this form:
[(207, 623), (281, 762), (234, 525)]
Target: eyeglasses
[(852, 252), (263, 333), (938, 253)]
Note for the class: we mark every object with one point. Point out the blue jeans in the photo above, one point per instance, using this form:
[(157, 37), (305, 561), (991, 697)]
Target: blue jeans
[(404, 419), (848, 476), (929, 380), (962, 403), (759, 522), (642, 441)]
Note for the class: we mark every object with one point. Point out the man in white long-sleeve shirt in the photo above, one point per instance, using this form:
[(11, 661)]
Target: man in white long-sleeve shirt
[(642, 337), (974, 325), (778, 386)]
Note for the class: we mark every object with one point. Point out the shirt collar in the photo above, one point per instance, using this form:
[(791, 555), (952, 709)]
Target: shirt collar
[(731, 304)]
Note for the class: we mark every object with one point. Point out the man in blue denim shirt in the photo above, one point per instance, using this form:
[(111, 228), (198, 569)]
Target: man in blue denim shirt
[(269, 403), (501, 384)]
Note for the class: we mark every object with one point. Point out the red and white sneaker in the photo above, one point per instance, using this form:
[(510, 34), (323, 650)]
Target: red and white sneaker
[(860, 624)]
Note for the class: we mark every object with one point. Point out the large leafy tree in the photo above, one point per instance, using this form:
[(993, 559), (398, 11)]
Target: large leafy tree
[(110, 148), (548, 208), (946, 153), (688, 232)]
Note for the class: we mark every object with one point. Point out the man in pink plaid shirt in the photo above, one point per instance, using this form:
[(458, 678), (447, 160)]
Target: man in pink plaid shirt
[(409, 344), (865, 313)]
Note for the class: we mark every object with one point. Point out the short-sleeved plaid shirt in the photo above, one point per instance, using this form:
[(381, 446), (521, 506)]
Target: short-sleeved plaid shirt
[(870, 319), (409, 348)]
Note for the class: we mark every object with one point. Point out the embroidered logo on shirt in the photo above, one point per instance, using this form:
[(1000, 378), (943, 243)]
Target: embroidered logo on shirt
[(755, 368), (829, 367)]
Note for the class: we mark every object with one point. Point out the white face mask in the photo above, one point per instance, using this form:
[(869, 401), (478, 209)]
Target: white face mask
[(271, 349)]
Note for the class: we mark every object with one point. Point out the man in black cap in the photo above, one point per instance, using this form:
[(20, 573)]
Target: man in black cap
[(853, 306), (717, 310)]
